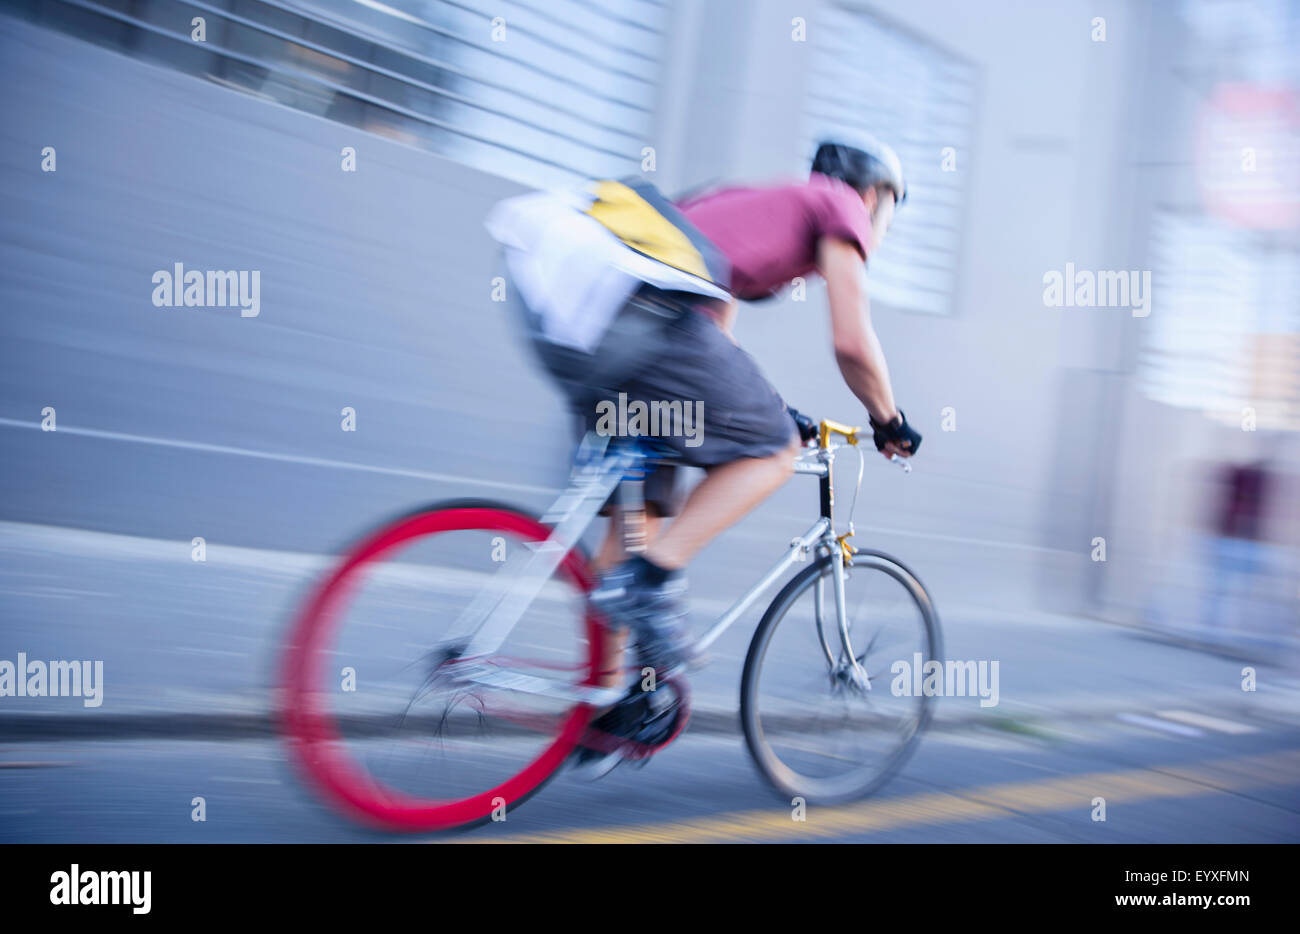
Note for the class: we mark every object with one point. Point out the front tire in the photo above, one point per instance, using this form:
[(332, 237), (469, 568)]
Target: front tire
[(782, 736)]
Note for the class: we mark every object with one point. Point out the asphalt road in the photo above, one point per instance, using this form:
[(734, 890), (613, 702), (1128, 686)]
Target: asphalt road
[(970, 785)]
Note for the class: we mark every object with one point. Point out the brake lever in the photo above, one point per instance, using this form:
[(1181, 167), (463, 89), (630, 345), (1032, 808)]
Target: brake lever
[(901, 462)]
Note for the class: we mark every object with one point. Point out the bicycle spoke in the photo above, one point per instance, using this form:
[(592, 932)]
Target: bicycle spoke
[(824, 731), (409, 734)]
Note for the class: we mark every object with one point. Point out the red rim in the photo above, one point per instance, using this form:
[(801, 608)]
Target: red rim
[(314, 739)]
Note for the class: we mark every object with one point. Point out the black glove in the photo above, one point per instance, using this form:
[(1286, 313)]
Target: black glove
[(897, 431), (807, 427)]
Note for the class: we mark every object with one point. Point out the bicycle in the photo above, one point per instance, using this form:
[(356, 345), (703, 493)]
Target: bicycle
[(373, 763)]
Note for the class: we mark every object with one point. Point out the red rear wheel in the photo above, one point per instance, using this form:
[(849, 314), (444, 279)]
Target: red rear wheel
[(393, 750)]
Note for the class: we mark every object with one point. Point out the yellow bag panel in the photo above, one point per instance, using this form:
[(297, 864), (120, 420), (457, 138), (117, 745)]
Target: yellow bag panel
[(634, 221)]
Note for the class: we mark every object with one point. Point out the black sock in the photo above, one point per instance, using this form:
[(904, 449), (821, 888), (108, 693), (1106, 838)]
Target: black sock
[(651, 573)]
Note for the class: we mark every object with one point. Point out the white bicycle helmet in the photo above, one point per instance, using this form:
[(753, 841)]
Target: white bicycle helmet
[(862, 161)]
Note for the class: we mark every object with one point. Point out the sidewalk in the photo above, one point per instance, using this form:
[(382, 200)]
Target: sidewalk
[(191, 649)]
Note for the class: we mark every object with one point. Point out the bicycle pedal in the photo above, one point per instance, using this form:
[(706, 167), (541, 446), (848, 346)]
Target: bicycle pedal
[(596, 769)]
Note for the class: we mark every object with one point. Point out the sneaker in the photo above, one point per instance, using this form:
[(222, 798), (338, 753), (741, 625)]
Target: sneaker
[(638, 717), (655, 613)]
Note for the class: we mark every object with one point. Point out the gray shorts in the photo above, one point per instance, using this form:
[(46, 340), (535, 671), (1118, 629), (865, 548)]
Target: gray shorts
[(734, 411)]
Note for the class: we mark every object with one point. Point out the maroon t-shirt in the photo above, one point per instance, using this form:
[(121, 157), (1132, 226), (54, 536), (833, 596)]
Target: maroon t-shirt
[(770, 234)]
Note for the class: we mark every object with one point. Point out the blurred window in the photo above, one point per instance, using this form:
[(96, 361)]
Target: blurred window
[(869, 75), (555, 91), (1224, 329)]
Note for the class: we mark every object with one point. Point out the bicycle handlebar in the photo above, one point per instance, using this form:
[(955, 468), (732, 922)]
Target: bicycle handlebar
[(810, 430)]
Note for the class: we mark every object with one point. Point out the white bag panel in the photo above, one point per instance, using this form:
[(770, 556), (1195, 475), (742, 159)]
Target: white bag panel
[(571, 270)]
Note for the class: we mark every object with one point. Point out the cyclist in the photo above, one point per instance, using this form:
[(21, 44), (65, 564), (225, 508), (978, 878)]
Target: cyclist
[(671, 336)]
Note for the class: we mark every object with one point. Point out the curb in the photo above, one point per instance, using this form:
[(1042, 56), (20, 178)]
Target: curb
[(243, 726)]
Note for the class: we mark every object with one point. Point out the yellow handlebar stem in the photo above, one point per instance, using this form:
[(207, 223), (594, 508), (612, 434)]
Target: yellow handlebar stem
[(829, 428)]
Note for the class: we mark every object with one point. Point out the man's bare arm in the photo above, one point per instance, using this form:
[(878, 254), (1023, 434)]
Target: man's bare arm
[(857, 348)]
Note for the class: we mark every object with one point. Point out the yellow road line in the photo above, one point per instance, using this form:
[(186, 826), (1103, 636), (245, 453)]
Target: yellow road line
[(989, 802)]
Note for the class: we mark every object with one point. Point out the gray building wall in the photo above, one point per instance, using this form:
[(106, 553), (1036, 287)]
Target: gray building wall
[(376, 294)]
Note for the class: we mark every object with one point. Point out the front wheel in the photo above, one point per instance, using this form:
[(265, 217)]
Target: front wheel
[(814, 726)]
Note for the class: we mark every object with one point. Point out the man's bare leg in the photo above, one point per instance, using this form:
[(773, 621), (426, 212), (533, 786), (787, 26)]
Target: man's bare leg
[(725, 496)]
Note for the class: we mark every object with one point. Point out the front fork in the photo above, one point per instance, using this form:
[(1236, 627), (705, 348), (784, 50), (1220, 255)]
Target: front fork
[(846, 667)]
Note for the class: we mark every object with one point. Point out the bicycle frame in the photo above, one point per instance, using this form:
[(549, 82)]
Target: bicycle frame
[(549, 569), (597, 473)]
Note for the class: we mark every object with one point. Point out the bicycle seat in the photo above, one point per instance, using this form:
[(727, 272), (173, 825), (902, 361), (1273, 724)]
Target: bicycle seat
[(642, 451), (645, 449)]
